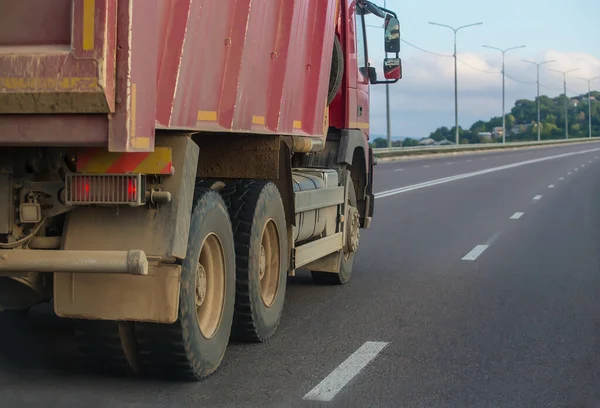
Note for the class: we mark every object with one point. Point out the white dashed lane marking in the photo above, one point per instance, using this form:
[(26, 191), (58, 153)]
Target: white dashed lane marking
[(537, 197), (561, 178), (475, 252), (551, 186), (516, 216), (334, 382)]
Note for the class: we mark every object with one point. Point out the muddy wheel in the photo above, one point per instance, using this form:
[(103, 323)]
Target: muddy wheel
[(107, 347), (193, 347), (352, 226), (259, 227)]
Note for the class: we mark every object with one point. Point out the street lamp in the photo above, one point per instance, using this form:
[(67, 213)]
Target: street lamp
[(455, 30), (564, 73), (503, 51), (589, 81), (538, 64), (387, 104)]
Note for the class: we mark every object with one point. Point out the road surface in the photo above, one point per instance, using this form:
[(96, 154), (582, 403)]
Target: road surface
[(478, 285)]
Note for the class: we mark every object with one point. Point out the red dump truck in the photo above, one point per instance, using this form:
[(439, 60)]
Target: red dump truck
[(166, 164)]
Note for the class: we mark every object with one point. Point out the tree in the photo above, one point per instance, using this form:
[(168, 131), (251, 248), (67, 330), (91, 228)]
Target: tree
[(379, 143), (409, 142)]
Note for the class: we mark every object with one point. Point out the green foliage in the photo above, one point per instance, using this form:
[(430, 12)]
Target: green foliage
[(379, 142), (523, 117)]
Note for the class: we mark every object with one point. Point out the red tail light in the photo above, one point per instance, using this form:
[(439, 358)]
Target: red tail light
[(105, 189)]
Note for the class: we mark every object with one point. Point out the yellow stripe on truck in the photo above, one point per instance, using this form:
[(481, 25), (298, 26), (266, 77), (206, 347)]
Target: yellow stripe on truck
[(89, 30), (160, 161)]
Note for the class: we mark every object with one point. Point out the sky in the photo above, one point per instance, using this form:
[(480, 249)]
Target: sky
[(565, 31)]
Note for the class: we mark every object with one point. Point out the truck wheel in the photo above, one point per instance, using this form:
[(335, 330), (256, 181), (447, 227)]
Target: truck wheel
[(107, 347), (350, 246), (337, 70), (259, 228), (192, 348)]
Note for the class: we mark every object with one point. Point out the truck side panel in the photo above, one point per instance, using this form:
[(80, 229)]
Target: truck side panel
[(268, 69)]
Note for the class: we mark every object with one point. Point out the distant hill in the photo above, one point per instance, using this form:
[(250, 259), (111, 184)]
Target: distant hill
[(521, 121)]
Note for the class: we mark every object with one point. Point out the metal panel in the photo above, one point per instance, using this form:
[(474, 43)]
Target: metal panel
[(307, 253), (268, 71), (313, 199), (132, 126), (151, 298)]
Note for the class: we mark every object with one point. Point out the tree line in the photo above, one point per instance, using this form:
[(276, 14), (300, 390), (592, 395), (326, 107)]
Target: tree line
[(521, 123)]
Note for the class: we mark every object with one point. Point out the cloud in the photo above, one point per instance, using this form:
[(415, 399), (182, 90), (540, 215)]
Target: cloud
[(424, 99)]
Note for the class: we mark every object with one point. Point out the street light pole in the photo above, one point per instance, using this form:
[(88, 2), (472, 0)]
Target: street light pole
[(538, 64), (589, 81), (503, 51), (387, 104), (455, 30), (564, 73)]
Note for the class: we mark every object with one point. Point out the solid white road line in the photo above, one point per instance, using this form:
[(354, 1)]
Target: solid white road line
[(475, 252), (405, 189), (516, 216), (537, 197), (551, 186), (334, 382)]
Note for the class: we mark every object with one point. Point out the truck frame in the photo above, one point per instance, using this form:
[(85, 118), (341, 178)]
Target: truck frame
[(165, 165)]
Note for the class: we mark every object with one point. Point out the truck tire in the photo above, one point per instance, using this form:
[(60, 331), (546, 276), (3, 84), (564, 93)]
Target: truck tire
[(259, 229), (192, 348), (337, 70), (347, 263), (107, 347)]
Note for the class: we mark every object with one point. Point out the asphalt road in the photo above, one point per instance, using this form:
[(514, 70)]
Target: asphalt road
[(478, 285)]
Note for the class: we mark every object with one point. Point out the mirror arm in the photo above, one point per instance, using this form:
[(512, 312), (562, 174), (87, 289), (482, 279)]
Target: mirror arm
[(393, 13), (390, 81)]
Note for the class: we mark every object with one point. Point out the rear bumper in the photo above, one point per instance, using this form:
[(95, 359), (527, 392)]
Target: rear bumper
[(133, 262)]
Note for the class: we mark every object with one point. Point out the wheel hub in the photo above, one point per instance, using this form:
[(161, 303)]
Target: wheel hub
[(200, 285), (352, 229), (262, 262)]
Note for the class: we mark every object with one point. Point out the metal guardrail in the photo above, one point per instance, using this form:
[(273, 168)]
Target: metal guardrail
[(389, 151)]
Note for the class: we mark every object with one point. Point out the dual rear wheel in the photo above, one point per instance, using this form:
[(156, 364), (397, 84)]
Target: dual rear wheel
[(232, 285)]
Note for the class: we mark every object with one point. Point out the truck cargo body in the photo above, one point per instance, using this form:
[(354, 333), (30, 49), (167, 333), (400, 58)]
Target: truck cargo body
[(166, 164), (232, 65)]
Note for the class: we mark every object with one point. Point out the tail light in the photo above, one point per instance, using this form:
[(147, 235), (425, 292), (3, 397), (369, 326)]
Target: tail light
[(83, 189)]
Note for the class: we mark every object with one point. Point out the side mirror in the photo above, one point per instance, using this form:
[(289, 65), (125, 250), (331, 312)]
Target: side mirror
[(392, 68), (392, 34)]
